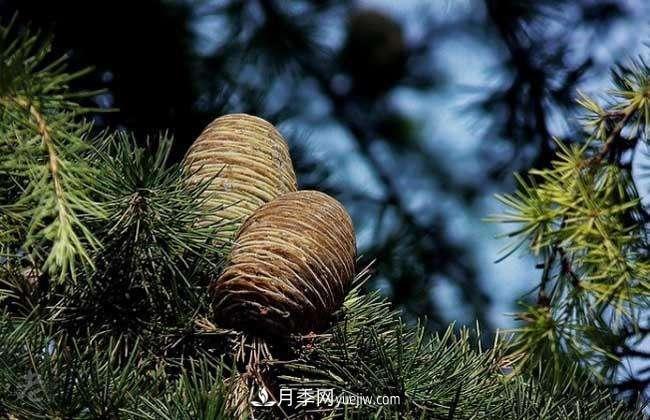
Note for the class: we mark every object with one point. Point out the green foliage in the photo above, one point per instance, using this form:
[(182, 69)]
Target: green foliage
[(151, 274), (584, 219), (199, 393), (46, 181), (368, 351), (46, 376), (371, 352), (154, 215)]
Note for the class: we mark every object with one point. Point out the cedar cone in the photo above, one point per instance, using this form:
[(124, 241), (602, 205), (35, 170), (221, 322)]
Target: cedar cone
[(290, 268), (248, 164)]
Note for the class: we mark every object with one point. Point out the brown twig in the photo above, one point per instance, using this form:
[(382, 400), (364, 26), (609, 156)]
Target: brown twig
[(46, 135), (566, 267), (614, 135), (543, 299)]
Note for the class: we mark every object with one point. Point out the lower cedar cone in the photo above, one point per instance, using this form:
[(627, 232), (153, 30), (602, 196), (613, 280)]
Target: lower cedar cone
[(290, 268), (247, 163)]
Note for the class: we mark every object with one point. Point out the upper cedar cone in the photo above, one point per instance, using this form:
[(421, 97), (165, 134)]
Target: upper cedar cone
[(290, 268), (248, 164)]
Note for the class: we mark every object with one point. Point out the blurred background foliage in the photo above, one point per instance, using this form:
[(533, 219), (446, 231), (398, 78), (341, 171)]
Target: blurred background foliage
[(412, 113)]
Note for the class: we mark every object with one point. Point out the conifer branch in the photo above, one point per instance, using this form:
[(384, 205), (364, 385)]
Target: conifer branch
[(615, 133), (46, 152), (586, 215)]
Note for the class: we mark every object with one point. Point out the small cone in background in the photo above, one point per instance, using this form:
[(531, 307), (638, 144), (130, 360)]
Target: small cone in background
[(248, 164), (374, 40), (290, 268)]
